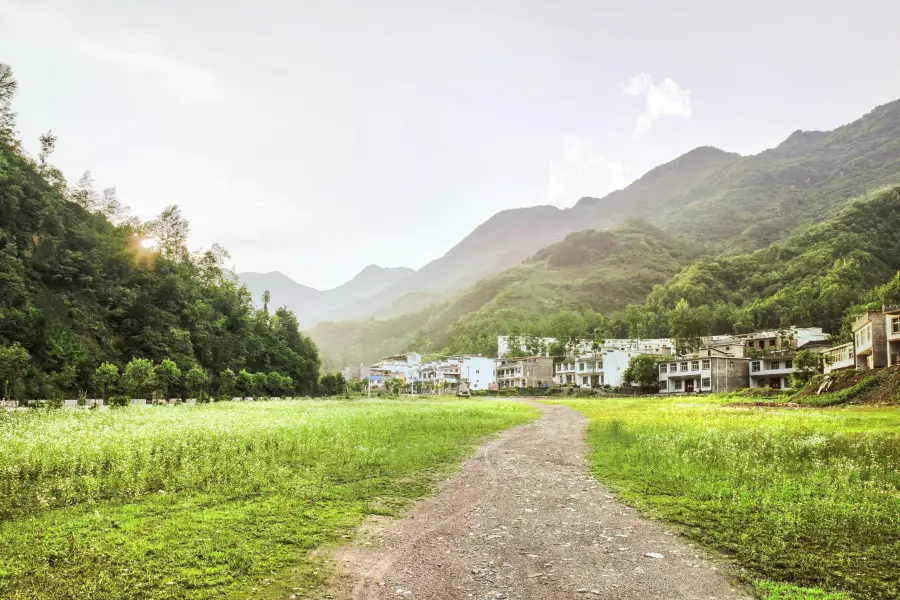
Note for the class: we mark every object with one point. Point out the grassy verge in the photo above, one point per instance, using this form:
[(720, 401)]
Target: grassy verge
[(223, 500), (808, 497)]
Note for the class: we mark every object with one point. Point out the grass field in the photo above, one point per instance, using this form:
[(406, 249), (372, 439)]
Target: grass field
[(807, 498), (222, 500)]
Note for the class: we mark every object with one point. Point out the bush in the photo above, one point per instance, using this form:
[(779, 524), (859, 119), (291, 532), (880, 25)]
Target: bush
[(118, 400)]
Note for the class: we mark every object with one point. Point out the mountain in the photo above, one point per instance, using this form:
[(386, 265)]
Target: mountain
[(511, 236), (723, 203), (588, 271), (309, 304), (734, 203), (761, 198)]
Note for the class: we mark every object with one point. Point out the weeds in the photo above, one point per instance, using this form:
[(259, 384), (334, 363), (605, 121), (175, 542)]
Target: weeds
[(806, 497), (212, 500)]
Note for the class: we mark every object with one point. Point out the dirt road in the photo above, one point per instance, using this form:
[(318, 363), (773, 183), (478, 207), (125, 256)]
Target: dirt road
[(523, 520)]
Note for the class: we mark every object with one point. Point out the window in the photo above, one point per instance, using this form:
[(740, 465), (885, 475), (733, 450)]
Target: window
[(706, 365), (788, 364), (677, 384), (558, 368), (581, 366), (584, 380), (895, 325), (663, 385), (868, 333), (684, 366), (755, 366), (775, 365), (704, 383), (662, 368), (695, 365), (771, 343), (599, 364), (477, 371)]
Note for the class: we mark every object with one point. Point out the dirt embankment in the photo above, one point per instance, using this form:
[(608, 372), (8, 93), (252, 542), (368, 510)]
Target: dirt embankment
[(879, 387)]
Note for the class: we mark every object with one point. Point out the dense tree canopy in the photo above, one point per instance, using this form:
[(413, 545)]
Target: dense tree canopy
[(79, 288)]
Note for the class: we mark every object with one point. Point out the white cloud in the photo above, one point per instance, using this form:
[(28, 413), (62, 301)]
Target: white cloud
[(583, 171), (135, 49), (663, 98)]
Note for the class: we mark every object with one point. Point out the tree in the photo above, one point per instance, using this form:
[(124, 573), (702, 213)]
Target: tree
[(8, 88), (643, 371), (266, 298), (332, 384), (166, 375), (196, 380), (170, 230), (14, 361), (227, 383), (138, 376), (260, 385), (105, 377), (806, 365), (244, 383)]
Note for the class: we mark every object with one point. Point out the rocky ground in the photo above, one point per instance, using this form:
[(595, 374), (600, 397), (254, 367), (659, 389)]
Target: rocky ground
[(523, 519)]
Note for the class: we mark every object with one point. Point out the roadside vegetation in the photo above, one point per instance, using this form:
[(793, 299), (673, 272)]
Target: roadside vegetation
[(213, 500), (798, 497)]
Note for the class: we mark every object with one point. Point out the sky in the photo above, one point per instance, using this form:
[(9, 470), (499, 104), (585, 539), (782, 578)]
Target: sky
[(315, 137)]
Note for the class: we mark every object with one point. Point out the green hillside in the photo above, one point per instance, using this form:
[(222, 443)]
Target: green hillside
[(814, 277), (77, 291), (811, 278), (589, 272), (759, 199)]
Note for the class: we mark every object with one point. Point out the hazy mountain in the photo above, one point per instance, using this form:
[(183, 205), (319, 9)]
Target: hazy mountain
[(511, 236), (723, 202), (308, 303)]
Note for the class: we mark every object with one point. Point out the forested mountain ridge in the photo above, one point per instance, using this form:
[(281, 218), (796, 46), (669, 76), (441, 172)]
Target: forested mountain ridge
[(761, 198), (77, 291), (815, 277), (311, 304), (513, 235), (591, 271)]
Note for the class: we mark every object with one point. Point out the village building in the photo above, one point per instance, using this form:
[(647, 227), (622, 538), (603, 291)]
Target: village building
[(708, 371), (526, 372), (892, 334), (839, 357), (773, 370), (870, 340)]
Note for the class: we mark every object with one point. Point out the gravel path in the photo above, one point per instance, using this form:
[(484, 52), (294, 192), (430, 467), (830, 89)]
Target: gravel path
[(523, 519)]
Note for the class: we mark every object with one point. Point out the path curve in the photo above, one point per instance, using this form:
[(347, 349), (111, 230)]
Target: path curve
[(524, 520)]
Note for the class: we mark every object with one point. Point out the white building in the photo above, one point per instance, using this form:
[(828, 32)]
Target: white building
[(586, 346), (477, 371), (606, 366), (772, 371)]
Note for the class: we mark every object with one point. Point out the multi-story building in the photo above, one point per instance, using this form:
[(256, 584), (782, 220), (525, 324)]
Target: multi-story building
[(477, 371), (439, 376), (839, 357), (531, 371), (597, 369), (795, 337), (712, 371), (587, 346), (870, 340), (773, 370), (892, 334)]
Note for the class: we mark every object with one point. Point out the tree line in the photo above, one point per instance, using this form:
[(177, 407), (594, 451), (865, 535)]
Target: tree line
[(85, 285)]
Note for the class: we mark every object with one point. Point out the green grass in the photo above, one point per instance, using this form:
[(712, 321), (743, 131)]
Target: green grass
[(807, 497), (223, 500)]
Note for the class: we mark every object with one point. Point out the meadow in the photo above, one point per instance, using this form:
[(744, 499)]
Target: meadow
[(805, 501), (218, 500)]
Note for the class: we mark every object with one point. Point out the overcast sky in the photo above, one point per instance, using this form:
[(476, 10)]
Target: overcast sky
[(317, 136)]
